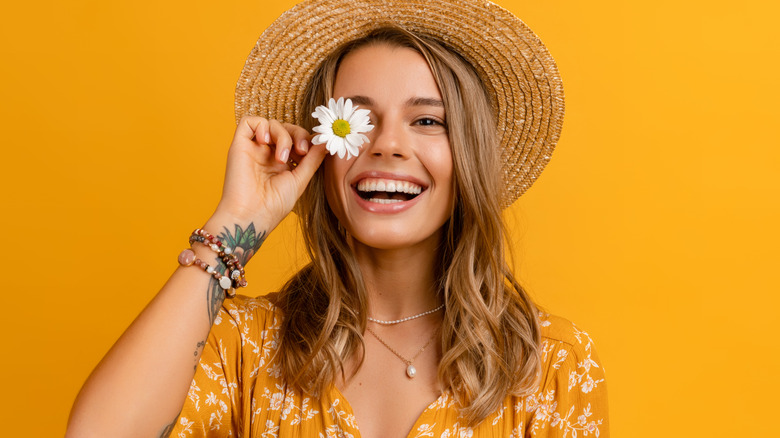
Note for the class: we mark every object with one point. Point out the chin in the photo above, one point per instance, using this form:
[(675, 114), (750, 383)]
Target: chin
[(390, 239)]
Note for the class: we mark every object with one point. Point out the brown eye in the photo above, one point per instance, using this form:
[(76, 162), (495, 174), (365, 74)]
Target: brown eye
[(428, 121)]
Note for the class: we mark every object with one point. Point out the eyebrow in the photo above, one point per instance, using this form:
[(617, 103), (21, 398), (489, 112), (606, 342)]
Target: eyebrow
[(414, 101), (425, 101), (361, 100)]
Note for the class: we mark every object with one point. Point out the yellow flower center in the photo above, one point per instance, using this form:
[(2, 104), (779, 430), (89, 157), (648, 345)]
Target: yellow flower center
[(341, 128)]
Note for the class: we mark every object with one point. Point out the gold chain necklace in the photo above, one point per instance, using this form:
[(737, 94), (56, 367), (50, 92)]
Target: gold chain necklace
[(411, 371)]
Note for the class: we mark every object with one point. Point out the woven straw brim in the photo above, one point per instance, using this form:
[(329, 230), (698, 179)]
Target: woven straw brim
[(520, 74)]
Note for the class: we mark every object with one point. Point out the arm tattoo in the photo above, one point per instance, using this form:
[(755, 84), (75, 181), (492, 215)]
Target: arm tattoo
[(196, 354), (166, 432), (214, 297), (198, 347), (245, 243)]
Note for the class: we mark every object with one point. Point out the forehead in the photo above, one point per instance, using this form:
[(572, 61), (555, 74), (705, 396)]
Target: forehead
[(385, 71)]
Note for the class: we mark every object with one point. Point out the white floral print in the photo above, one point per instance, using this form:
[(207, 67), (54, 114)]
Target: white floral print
[(239, 368)]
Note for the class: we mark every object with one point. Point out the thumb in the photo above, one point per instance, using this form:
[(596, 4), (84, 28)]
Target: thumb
[(309, 164)]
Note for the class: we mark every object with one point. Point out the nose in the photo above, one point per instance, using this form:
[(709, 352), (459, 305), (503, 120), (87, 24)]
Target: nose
[(388, 140)]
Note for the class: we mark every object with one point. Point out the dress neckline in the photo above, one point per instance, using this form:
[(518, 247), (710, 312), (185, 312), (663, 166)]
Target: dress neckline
[(348, 407)]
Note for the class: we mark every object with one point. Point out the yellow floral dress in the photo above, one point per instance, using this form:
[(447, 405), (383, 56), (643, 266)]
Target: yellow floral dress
[(238, 391)]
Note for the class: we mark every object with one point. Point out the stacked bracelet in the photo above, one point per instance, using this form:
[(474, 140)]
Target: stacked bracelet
[(235, 277), (237, 274), (187, 258)]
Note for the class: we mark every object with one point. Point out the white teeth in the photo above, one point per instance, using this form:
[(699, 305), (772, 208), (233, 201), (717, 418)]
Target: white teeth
[(385, 201), (388, 185)]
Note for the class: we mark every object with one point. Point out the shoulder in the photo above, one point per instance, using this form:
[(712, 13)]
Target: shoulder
[(568, 353), (555, 329), (571, 397)]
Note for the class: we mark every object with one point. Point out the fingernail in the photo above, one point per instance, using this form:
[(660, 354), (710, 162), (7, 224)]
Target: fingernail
[(267, 137), (304, 145), (285, 155)]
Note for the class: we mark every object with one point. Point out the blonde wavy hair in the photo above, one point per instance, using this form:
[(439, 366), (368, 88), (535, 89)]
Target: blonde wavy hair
[(490, 337)]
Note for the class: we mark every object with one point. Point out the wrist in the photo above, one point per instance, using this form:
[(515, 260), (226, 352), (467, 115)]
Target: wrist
[(243, 237), (227, 217)]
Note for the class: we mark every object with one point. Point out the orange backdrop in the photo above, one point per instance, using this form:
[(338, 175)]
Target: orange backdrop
[(654, 227)]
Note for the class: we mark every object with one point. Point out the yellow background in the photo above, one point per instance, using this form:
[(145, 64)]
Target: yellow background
[(654, 227)]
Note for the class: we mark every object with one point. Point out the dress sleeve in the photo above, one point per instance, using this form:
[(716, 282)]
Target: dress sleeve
[(572, 401), (213, 406)]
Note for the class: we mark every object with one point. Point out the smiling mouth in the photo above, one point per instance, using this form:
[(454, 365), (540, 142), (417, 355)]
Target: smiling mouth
[(387, 191)]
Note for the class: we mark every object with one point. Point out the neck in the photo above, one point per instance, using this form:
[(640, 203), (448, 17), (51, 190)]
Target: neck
[(399, 282)]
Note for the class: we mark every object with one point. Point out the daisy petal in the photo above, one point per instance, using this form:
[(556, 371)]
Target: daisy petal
[(361, 128), (333, 144), (323, 129), (346, 113), (354, 139), (321, 138), (330, 145), (352, 151), (324, 115), (359, 114)]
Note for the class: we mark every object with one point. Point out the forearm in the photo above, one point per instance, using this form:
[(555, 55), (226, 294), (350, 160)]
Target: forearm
[(140, 385), (139, 388)]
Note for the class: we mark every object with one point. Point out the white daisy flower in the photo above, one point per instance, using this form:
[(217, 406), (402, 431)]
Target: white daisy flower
[(341, 126)]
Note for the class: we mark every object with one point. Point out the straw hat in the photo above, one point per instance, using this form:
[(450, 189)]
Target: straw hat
[(518, 71)]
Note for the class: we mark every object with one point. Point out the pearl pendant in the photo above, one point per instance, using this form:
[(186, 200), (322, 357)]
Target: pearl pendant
[(411, 371)]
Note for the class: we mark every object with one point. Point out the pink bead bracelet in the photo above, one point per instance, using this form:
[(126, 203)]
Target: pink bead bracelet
[(225, 253), (236, 276), (188, 258)]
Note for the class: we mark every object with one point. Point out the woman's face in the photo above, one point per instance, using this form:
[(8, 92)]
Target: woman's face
[(409, 151)]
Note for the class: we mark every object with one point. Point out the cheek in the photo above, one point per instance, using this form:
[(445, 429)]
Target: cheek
[(441, 167), (440, 164)]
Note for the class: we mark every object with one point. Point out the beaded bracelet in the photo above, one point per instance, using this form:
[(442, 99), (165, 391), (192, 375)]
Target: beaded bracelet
[(225, 253), (188, 258), (230, 282)]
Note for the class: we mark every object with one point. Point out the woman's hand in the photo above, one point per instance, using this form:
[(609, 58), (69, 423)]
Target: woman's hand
[(262, 181)]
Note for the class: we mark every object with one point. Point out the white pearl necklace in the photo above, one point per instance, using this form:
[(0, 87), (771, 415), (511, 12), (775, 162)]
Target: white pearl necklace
[(408, 318)]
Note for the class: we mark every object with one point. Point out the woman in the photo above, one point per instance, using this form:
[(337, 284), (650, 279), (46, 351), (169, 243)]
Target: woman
[(408, 320)]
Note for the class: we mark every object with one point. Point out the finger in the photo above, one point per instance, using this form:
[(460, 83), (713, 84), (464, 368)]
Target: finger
[(300, 138), (294, 159), (253, 127), (282, 139), (308, 165), (263, 132)]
